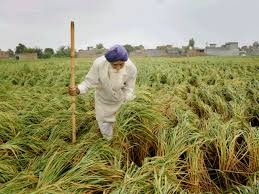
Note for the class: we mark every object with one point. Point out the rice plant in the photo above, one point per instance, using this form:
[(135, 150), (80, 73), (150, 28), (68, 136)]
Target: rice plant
[(193, 128)]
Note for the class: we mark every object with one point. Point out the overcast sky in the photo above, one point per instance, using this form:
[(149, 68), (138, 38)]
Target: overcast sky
[(45, 23)]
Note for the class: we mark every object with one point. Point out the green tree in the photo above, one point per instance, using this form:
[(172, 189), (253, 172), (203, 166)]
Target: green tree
[(161, 47), (164, 47), (63, 51), (191, 43), (48, 52), (244, 48), (20, 48), (139, 47), (129, 48), (10, 53), (256, 44), (39, 52), (99, 46)]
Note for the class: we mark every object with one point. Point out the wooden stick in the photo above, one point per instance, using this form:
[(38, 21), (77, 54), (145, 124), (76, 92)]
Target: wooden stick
[(72, 80)]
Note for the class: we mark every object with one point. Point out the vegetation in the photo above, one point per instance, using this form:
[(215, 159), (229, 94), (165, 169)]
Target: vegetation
[(131, 48), (191, 43), (21, 48), (99, 46), (193, 128), (63, 51)]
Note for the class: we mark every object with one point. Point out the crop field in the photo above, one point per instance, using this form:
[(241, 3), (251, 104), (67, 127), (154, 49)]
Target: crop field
[(193, 128)]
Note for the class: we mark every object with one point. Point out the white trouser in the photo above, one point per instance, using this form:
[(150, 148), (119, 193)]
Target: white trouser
[(106, 129)]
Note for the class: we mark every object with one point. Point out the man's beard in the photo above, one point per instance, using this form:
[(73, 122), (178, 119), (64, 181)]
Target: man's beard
[(116, 78), (115, 70)]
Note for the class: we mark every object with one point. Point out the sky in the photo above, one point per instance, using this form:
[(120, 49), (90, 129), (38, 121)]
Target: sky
[(46, 23)]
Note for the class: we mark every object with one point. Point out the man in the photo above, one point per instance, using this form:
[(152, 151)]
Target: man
[(113, 76)]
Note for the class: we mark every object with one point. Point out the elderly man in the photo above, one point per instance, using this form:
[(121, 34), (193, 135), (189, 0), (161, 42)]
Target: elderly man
[(113, 76)]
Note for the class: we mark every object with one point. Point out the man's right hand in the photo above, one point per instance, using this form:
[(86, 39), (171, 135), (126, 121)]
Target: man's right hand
[(73, 91)]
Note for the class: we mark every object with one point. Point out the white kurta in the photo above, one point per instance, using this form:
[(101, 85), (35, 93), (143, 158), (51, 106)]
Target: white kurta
[(112, 88)]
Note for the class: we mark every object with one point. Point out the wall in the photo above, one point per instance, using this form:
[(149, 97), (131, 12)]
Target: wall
[(220, 51), (90, 53), (254, 52), (27, 56), (4, 55)]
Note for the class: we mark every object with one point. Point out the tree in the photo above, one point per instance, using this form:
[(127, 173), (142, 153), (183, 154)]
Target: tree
[(256, 44), (48, 52), (191, 43), (20, 48), (164, 47), (63, 51), (244, 48), (36, 50), (129, 48), (39, 52), (99, 46), (161, 47), (139, 47), (10, 53)]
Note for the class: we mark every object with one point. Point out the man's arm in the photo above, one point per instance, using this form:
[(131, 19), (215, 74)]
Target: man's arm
[(130, 85), (91, 79)]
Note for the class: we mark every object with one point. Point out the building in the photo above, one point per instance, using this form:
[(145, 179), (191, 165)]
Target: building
[(26, 56), (166, 52), (138, 53), (149, 53), (169, 52), (228, 49), (212, 45), (231, 45), (253, 51), (90, 52), (196, 52), (174, 52), (155, 53), (4, 55)]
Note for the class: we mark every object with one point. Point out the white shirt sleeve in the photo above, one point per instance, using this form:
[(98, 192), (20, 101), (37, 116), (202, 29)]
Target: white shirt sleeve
[(91, 79), (130, 85)]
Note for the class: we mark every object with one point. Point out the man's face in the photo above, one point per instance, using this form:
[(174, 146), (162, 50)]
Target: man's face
[(118, 65)]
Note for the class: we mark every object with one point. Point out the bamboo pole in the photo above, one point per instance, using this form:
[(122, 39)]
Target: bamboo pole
[(72, 80)]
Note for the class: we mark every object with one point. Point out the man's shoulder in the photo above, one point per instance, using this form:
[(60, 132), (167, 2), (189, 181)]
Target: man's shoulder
[(100, 60), (131, 67)]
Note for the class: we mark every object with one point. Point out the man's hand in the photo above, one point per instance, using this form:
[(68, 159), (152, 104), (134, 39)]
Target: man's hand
[(73, 91)]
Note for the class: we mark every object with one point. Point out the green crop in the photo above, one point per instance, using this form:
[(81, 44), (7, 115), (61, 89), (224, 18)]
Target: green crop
[(193, 128)]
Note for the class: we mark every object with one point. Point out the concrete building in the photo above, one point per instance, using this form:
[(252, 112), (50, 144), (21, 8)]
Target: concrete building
[(149, 53), (196, 52), (253, 52), (157, 52), (231, 45), (26, 56), (228, 49), (138, 53), (4, 55), (90, 53), (174, 52), (212, 45), (169, 52)]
